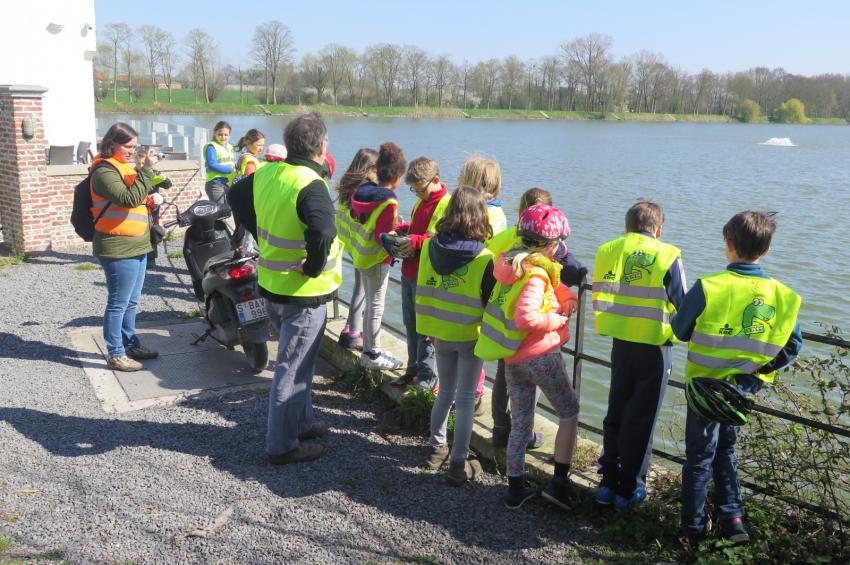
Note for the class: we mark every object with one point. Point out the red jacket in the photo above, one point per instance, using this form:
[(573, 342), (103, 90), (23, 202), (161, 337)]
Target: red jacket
[(417, 228)]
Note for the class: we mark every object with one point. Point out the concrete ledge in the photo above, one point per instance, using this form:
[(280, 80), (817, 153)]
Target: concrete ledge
[(538, 462), (82, 170)]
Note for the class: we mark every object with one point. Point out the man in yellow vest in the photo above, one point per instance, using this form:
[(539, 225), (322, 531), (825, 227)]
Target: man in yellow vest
[(638, 281), (741, 326), (287, 207)]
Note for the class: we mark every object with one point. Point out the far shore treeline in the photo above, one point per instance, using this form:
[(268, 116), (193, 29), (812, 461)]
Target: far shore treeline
[(148, 69)]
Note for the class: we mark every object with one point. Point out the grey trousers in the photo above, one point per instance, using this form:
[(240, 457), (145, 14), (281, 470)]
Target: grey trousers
[(459, 370), (357, 305), (290, 398), (420, 350), (375, 281)]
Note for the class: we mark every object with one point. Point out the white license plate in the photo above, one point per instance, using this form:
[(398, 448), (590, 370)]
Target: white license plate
[(252, 310)]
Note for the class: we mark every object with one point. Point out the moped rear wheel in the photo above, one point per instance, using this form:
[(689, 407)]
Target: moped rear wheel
[(257, 355)]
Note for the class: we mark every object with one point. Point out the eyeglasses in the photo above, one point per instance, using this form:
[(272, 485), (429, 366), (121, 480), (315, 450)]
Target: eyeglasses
[(422, 186)]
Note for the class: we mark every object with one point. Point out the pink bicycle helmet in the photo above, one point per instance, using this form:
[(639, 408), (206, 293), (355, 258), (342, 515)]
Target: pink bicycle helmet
[(543, 222), (275, 152)]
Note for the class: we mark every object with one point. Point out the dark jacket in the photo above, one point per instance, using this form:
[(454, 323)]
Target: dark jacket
[(448, 253), (314, 208)]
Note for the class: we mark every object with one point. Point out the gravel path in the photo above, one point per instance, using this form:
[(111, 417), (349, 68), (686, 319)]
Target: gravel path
[(189, 483)]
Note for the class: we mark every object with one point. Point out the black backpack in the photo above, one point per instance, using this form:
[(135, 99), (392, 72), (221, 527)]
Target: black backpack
[(81, 217)]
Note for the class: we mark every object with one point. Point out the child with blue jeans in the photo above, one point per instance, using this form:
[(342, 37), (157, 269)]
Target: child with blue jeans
[(734, 320)]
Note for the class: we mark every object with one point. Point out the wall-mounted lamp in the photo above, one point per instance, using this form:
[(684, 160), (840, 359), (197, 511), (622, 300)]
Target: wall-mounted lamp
[(86, 29), (27, 128), (54, 28)]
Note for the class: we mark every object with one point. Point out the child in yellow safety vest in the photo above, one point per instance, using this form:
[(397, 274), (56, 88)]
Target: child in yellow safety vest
[(525, 323), (485, 175), (453, 285), (741, 326)]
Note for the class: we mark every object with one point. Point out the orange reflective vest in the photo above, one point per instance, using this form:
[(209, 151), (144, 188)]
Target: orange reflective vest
[(117, 220)]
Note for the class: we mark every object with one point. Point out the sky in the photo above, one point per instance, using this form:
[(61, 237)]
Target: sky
[(805, 38)]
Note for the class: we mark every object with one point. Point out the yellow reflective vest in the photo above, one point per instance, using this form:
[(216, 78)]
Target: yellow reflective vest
[(280, 234), (629, 298), (365, 251), (439, 212), (500, 337), (224, 154), (448, 307), (246, 159), (343, 226), (503, 241), (497, 219), (746, 323)]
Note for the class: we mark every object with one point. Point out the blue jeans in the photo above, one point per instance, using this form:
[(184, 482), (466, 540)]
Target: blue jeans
[(420, 350), (290, 398), (124, 280), (710, 451)]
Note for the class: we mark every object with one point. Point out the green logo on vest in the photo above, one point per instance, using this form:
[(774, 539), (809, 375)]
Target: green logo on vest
[(609, 276), (431, 282), (756, 316), (636, 264), (455, 279), (726, 330)]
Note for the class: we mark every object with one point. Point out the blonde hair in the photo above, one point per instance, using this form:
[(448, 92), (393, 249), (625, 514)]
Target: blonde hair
[(483, 174), (421, 169)]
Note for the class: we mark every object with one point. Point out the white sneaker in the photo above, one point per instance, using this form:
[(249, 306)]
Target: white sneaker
[(383, 361)]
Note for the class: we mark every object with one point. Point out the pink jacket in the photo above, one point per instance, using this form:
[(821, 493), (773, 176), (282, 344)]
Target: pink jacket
[(546, 331)]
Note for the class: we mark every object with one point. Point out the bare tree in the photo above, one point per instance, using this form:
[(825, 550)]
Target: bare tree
[(128, 58), (385, 63), (415, 68), (273, 47), (511, 77), (167, 60), (339, 61), (151, 38), (116, 34), (590, 54), (315, 75), (103, 62), (443, 71), (201, 49), (465, 73)]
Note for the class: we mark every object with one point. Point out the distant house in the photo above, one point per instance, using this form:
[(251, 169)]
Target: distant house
[(174, 86)]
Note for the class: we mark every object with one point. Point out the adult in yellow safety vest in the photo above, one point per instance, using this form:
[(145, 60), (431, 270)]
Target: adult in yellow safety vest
[(218, 162), (638, 281), (288, 208)]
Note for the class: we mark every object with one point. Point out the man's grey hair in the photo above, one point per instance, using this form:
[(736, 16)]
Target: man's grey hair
[(304, 135)]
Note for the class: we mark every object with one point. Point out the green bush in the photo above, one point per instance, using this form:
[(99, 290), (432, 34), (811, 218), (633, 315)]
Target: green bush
[(749, 111), (415, 409), (363, 382), (791, 112)]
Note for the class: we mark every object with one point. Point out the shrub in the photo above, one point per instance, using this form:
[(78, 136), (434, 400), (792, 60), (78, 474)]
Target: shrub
[(363, 382), (750, 111), (415, 408), (791, 112)]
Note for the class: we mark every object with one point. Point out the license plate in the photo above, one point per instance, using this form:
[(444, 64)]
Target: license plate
[(252, 310)]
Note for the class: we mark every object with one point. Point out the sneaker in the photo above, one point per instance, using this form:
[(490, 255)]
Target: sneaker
[(733, 530), (621, 504), (140, 352), (381, 361), (560, 492), (605, 495), (694, 539), (351, 340), (462, 471), (123, 363), (517, 497), (408, 378), (304, 452), (437, 456), (479, 406), (317, 430)]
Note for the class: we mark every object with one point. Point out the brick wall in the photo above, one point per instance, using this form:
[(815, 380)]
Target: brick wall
[(36, 199)]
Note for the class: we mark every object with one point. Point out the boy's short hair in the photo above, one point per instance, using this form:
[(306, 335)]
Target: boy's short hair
[(644, 215), (421, 169), (750, 233)]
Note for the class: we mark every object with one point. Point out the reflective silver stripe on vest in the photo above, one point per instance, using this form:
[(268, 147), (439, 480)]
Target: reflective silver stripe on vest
[(497, 313), (358, 227), (632, 311), (631, 291), (279, 242), (456, 317), (446, 296), (744, 365), (117, 215), (736, 342), (499, 338), (279, 265), (365, 250)]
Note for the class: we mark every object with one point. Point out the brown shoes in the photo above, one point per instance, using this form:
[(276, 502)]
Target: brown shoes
[(305, 452), (141, 352), (460, 472), (436, 457), (123, 363), (317, 430)]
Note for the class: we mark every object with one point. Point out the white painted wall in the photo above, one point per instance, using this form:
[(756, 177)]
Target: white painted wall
[(59, 60)]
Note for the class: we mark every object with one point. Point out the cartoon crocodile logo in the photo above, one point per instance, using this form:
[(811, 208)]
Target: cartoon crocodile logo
[(637, 264), (756, 316), (455, 279)]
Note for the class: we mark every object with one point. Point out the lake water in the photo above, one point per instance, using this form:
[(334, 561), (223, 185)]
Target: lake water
[(700, 173)]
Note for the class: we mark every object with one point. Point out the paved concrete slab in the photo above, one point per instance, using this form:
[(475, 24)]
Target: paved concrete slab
[(181, 370)]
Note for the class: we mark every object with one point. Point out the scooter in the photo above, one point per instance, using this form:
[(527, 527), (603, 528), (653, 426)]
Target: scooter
[(224, 279)]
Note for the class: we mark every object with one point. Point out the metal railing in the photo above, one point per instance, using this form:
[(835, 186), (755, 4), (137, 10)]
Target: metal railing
[(579, 356)]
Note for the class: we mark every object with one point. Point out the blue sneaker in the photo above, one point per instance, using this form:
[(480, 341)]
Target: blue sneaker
[(605, 495), (622, 504)]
